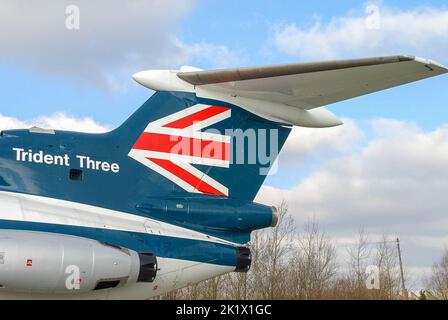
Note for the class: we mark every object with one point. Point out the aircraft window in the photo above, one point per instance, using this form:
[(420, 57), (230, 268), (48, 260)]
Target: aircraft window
[(75, 174), (3, 182)]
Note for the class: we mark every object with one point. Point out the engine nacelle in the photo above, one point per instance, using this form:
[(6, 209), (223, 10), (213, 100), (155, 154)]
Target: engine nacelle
[(55, 263), (217, 214)]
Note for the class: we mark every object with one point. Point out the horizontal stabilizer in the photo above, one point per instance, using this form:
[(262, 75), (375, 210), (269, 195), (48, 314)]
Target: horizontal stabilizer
[(289, 93)]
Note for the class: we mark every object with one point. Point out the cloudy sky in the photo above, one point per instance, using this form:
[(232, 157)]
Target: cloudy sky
[(384, 170)]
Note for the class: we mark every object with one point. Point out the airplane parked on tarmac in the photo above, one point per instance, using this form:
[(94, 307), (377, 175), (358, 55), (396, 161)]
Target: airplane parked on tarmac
[(166, 199)]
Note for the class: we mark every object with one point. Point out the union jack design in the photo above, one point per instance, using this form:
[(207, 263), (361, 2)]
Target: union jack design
[(172, 144)]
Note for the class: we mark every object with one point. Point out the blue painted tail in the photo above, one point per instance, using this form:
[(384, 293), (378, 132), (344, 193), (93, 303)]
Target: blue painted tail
[(200, 146)]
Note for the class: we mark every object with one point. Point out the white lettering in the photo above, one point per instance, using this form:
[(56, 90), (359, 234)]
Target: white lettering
[(48, 159), (85, 162), (59, 160), (18, 151), (105, 166), (81, 161), (88, 163), (115, 167), (38, 157)]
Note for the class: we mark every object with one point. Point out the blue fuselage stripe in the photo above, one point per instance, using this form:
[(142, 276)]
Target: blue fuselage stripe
[(161, 246)]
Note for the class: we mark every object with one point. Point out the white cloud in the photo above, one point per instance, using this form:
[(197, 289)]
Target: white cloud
[(396, 183), (305, 142), (402, 170), (219, 55), (58, 121), (116, 38), (421, 31)]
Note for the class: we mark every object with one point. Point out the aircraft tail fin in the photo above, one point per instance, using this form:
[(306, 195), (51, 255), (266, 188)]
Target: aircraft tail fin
[(190, 145)]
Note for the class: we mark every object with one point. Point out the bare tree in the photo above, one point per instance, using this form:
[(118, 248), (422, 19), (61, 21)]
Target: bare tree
[(287, 265), (278, 246), (359, 256), (270, 252), (235, 286), (387, 262), (438, 282), (314, 264)]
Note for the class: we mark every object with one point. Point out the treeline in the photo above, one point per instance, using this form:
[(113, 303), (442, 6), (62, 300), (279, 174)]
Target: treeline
[(287, 264)]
